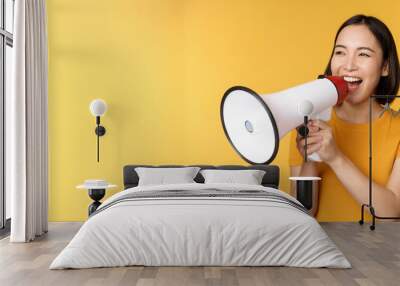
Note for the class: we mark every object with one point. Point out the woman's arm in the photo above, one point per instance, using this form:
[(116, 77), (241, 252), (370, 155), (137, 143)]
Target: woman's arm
[(386, 199)]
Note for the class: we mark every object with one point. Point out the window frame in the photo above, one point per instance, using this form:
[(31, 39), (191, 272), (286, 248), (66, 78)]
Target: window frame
[(6, 39)]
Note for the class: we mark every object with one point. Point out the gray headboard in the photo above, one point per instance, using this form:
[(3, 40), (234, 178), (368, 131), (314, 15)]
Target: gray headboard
[(270, 179)]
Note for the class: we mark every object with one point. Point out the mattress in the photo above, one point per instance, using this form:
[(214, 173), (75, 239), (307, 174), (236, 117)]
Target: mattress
[(201, 225)]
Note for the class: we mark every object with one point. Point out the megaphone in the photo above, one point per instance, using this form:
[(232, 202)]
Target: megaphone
[(254, 123)]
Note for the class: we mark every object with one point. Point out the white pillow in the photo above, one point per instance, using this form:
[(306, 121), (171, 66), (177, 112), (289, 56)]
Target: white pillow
[(248, 177), (165, 176)]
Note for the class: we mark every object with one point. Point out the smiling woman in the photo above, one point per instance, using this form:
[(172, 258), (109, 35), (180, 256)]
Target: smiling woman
[(365, 55)]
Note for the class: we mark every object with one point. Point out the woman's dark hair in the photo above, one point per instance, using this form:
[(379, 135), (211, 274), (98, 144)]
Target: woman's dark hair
[(388, 85)]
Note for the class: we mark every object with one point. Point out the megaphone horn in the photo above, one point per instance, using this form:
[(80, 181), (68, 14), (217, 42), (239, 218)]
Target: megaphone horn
[(255, 123)]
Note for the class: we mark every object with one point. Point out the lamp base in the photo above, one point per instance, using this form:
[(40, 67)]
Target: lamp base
[(96, 195), (305, 193), (100, 130)]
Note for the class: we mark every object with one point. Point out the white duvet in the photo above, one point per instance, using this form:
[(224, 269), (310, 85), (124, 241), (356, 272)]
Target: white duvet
[(200, 231)]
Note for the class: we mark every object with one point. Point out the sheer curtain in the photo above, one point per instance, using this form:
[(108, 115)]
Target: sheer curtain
[(26, 124)]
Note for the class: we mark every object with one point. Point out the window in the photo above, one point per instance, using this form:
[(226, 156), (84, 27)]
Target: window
[(6, 45)]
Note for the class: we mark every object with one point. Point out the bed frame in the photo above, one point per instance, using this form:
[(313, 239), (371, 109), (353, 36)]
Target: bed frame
[(270, 179)]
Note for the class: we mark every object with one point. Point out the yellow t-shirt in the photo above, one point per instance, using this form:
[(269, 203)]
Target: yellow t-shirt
[(335, 203)]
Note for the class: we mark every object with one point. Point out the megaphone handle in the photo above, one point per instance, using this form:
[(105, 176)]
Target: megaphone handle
[(305, 138)]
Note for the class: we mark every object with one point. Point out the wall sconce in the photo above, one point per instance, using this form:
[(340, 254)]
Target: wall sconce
[(98, 107)]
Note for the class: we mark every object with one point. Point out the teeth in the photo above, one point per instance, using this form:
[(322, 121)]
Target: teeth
[(351, 79)]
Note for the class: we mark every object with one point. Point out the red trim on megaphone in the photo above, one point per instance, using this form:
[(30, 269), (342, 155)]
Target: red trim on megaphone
[(341, 87)]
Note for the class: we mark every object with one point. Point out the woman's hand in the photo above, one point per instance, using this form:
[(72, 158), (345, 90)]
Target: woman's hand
[(328, 150), (313, 141)]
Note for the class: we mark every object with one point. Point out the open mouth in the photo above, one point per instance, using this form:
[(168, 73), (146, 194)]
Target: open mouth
[(352, 82)]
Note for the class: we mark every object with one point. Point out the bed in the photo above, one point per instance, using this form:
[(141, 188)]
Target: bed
[(201, 224)]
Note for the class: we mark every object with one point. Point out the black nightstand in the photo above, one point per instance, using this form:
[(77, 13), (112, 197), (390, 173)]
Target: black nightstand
[(96, 193)]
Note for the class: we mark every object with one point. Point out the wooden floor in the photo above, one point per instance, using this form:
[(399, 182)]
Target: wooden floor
[(375, 257)]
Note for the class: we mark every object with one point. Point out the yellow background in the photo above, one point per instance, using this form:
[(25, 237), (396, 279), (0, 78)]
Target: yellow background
[(162, 67)]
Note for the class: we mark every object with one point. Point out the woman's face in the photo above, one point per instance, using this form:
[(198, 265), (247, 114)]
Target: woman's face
[(358, 58)]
